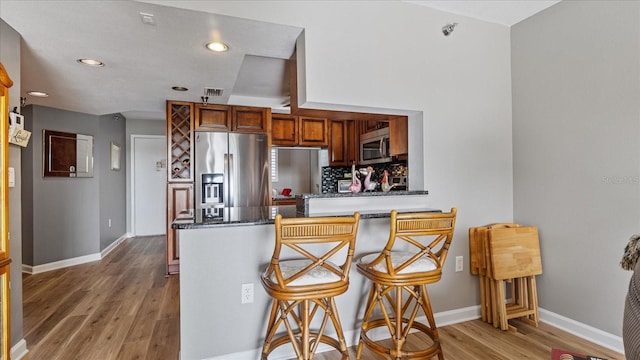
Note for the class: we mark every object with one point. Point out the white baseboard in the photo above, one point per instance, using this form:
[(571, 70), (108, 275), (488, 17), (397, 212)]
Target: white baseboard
[(114, 245), (19, 350), (74, 261), (584, 331), (352, 336), (444, 318)]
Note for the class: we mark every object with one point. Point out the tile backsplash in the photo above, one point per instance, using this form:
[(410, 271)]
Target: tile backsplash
[(331, 174)]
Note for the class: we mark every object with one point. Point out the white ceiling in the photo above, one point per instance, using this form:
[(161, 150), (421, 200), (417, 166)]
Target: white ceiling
[(504, 12), (144, 61)]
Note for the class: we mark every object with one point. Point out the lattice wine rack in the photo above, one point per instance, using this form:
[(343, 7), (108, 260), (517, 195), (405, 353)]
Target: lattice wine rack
[(181, 140)]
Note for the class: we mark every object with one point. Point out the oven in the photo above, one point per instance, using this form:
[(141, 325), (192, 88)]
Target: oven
[(374, 147)]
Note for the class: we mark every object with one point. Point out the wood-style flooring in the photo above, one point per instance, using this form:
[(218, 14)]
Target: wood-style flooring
[(124, 308), (477, 340)]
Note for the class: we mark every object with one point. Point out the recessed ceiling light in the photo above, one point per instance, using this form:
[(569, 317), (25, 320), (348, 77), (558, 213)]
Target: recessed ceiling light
[(91, 62), (38, 93), (217, 46), (179, 88)]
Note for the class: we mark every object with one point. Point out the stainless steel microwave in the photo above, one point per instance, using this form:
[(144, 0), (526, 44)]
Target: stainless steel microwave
[(374, 147)]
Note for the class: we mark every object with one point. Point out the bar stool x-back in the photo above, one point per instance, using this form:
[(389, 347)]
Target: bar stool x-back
[(303, 287), (413, 257)]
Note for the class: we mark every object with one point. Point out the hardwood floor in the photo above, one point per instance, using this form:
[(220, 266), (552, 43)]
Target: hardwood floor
[(122, 307), (477, 340)]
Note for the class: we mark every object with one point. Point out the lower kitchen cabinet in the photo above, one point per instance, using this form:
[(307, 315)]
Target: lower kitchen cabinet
[(179, 206)]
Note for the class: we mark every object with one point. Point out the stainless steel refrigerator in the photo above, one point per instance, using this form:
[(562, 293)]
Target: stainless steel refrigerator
[(232, 170)]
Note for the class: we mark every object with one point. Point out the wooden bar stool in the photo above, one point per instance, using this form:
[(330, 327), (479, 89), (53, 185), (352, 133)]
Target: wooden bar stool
[(318, 252), (413, 257)]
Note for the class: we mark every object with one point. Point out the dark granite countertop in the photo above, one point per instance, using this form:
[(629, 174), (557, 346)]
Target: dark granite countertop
[(244, 216)]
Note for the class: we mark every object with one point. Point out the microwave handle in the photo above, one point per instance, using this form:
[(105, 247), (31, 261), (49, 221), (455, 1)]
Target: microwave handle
[(381, 148)]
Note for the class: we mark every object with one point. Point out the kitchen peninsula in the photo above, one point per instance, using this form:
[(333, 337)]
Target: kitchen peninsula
[(221, 254)]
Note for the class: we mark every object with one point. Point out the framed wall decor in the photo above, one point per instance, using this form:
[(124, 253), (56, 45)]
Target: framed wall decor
[(115, 156)]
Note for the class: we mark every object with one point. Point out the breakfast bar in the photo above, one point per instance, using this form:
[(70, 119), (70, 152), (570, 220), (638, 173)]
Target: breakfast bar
[(223, 252)]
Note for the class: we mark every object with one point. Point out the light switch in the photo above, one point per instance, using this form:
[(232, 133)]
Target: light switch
[(12, 177)]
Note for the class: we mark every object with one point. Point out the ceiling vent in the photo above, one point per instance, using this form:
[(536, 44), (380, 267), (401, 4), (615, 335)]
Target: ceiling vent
[(213, 92)]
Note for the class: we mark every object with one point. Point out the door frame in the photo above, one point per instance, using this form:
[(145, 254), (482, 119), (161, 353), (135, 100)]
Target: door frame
[(132, 167)]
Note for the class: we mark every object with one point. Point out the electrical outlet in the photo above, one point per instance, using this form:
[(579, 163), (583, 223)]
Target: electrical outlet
[(247, 294), (109, 222), (459, 263)]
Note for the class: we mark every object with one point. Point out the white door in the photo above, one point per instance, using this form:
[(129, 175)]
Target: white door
[(149, 178)]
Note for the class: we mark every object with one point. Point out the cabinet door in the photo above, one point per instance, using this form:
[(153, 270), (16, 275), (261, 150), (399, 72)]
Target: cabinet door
[(352, 145), (284, 130), (212, 117), (251, 119), (398, 136), (338, 143), (343, 143), (179, 206), (179, 141), (313, 131)]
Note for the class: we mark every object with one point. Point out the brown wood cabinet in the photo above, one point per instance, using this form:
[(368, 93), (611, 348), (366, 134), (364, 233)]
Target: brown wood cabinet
[(284, 130), (372, 125), (289, 130), (343, 143), (179, 206), (246, 119), (250, 119), (398, 136), (313, 131), (179, 141), (212, 117)]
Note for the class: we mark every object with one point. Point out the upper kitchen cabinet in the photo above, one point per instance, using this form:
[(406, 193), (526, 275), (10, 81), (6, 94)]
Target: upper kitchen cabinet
[(212, 117), (398, 136), (289, 130), (313, 131), (246, 119), (372, 125), (284, 130), (250, 119), (343, 143), (179, 141)]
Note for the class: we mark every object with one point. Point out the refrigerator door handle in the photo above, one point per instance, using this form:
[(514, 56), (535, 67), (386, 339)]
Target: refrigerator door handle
[(231, 180)]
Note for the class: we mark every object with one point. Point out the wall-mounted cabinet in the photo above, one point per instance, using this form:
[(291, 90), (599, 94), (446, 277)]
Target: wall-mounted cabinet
[(246, 119), (284, 130), (343, 143), (398, 136), (212, 117), (289, 130), (372, 125)]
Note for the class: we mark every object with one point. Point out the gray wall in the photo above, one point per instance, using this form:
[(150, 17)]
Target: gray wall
[(112, 198), (576, 127), (66, 218), (138, 127), (10, 58)]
